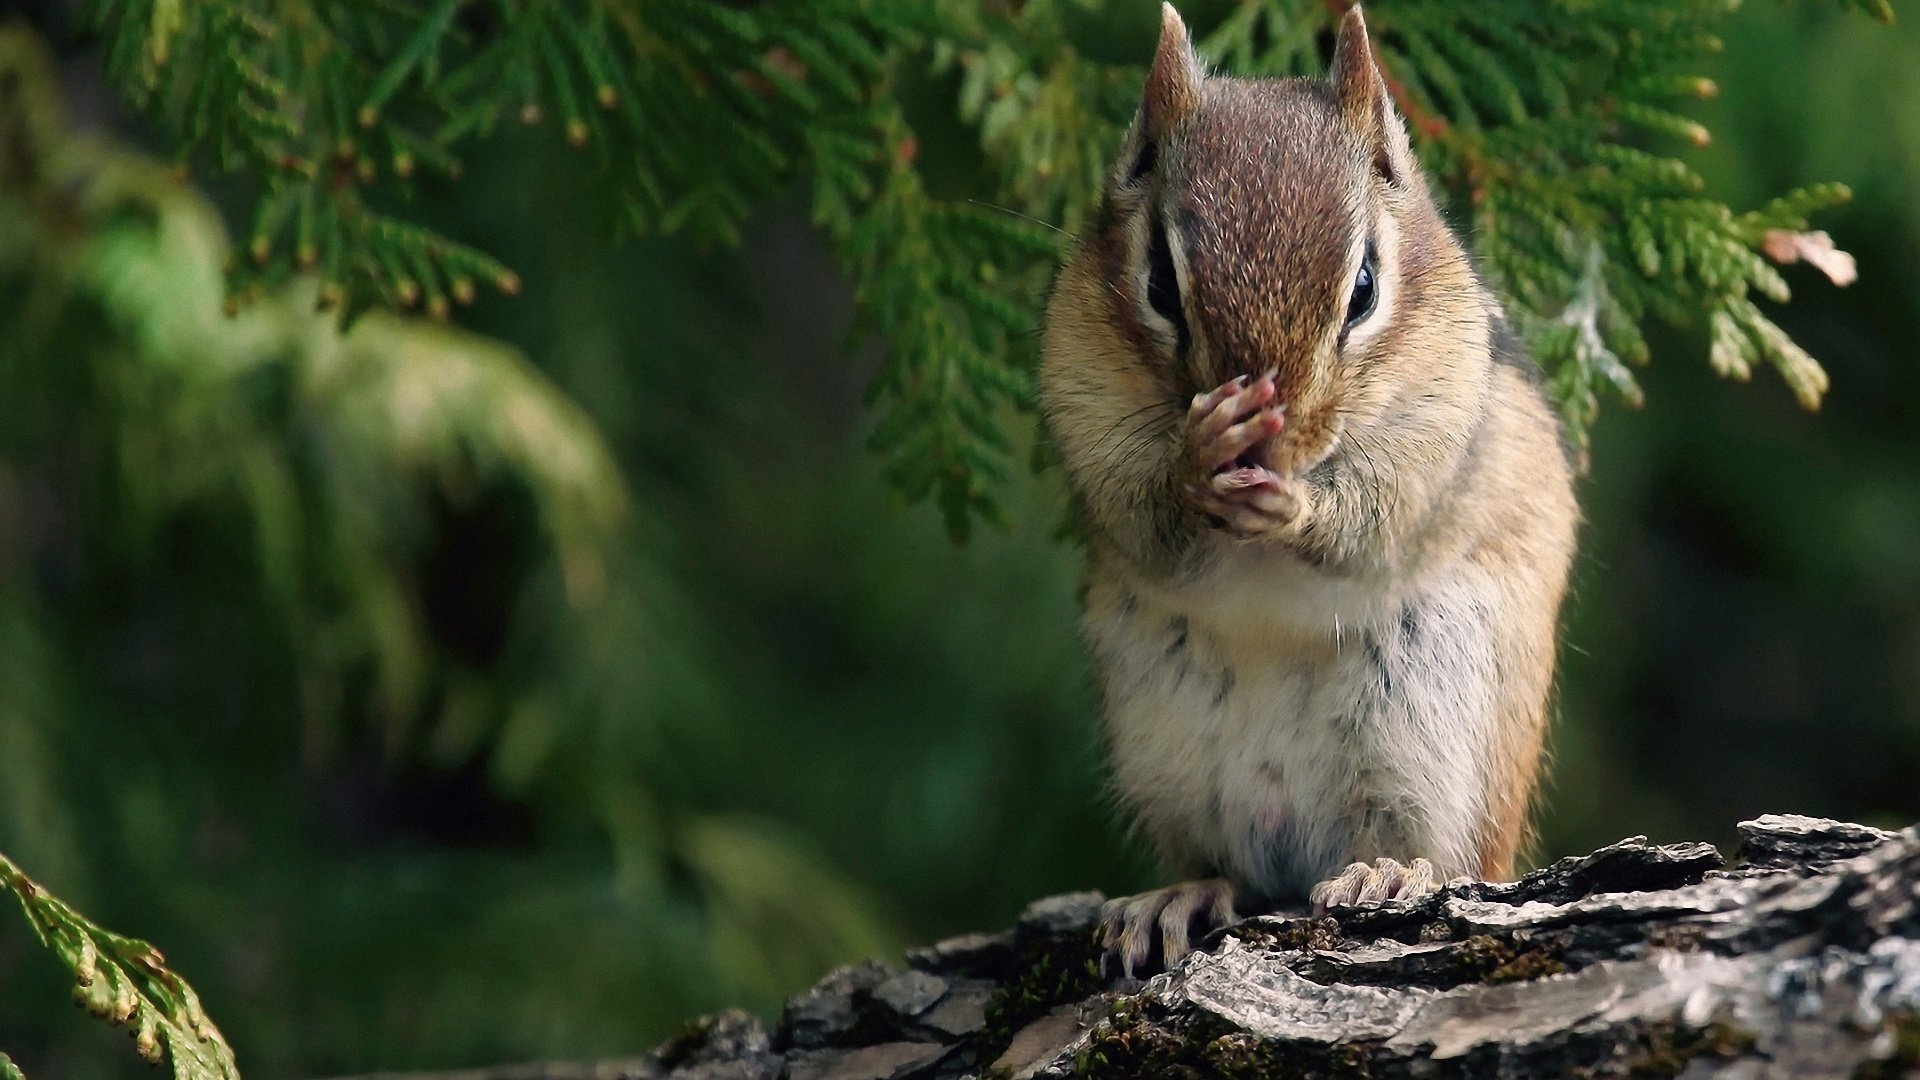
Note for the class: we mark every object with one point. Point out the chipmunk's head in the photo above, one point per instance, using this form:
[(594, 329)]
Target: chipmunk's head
[(1257, 225)]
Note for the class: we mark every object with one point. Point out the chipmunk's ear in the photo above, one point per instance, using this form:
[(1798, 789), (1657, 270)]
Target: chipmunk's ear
[(1171, 95), (1173, 86), (1361, 91)]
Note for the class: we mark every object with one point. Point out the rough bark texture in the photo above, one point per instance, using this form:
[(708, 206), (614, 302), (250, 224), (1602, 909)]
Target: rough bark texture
[(1801, 960)]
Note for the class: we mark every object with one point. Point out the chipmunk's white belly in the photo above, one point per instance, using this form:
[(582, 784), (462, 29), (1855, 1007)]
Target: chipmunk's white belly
[(1277, 730)]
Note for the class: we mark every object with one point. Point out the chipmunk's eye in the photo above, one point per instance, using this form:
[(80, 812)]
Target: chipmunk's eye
[(1360, 304), (1163, 286)]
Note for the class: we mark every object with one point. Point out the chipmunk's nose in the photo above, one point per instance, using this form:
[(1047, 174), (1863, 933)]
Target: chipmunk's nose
[(1290, 369)]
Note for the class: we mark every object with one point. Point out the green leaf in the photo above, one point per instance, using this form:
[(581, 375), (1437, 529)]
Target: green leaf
[(124, 981)]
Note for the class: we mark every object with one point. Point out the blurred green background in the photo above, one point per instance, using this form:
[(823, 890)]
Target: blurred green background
[(436, 701)]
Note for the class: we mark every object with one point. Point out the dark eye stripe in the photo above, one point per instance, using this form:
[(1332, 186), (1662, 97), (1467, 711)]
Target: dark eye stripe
[(1163, 286)]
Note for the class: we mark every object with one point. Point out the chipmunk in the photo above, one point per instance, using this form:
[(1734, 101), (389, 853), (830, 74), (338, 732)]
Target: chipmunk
[(1328, 512)]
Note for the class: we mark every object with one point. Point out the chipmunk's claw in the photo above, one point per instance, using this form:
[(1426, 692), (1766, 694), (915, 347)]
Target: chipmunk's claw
[(1224, 479), (1132, 926), (1384, 882)]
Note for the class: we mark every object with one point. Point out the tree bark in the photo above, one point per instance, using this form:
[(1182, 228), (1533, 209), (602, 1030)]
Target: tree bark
[(1800, 960)]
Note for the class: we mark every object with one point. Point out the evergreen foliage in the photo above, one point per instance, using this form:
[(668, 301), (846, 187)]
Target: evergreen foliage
[(264, 492), (123, 981), (719, 742), (325, 442), (1554, 127)]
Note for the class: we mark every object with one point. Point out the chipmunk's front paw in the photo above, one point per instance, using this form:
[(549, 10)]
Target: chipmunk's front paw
[(1221, 476), (1131, 926), (1385, 881)]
